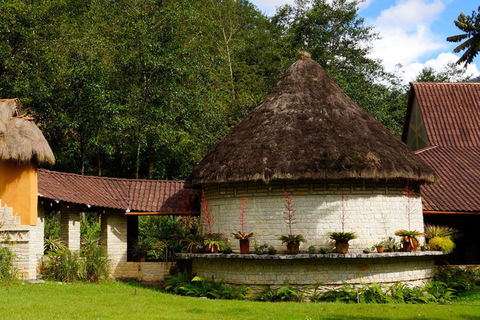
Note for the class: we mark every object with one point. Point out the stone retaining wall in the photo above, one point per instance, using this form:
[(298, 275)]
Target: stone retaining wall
[(142, 271), (373, 209), (331, 270)]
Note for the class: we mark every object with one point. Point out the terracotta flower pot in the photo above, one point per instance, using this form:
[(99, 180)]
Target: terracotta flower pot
[(293, 247), (244, 246), (341, 246), (380, 249), (407, 247)]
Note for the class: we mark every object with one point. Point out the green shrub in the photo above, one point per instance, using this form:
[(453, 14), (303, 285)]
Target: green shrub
[(347, 294), (183, 284), (97, 264), (63, 265), (7, 272), (52, 225), (285, 293), (461, 280), (52, 244), (445, 244)]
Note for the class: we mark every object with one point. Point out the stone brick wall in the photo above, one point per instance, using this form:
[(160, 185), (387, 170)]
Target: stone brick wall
[(70, 228), (374, 210), (23, 240), (114, 237), (411, 269), (142, 271)]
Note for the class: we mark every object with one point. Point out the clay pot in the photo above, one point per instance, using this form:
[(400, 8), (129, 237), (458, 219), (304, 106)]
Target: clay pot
[(140, 257), (380, 249), (407, 247), (293, 247), (244, 246), (341, 246)]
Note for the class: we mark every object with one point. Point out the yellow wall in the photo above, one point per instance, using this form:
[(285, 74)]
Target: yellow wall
[(19, 190)]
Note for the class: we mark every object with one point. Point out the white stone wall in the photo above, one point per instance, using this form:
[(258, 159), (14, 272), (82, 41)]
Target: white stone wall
[(22, 240), (373, 210), (143, 271), (411, 270), (114, 238), (70, 229)]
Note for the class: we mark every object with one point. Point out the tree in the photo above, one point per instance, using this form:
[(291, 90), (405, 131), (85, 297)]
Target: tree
[(471, 26), (451, 72)]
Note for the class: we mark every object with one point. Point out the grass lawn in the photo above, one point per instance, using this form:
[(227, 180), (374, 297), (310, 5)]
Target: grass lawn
[(115, 300)]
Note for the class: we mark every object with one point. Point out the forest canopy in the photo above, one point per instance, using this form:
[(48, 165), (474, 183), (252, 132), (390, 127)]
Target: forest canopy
[(144, 88)]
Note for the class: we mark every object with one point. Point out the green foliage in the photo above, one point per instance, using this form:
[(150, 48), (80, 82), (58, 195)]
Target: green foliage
[(451, 72), (460, 280), (183, 284), (7, 272), (342, 236), (91, 264), (471, 26), (52, 225), (432, 231), (63, 265), (163, 236), (52, 244), (346, 293), (445, 244), (285, 293), (292, 238)]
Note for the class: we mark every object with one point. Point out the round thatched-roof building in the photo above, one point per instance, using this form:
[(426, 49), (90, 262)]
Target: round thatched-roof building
[(342, 168)]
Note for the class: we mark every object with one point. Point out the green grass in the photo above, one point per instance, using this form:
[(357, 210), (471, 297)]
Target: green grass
[(115, 300)]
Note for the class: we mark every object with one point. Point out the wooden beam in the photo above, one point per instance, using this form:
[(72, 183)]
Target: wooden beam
[(135, 213), (452, 212)]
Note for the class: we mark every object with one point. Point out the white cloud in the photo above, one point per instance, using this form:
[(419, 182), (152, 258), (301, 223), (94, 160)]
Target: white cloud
[(269, 6), (405, 32), (410, 72)]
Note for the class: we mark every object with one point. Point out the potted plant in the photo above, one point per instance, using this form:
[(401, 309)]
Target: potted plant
[(271, 250), (311, 250), (292, 241), (212, 242), (380, 247), (324, 250), (241, 235), (141, 249), (409, 239), (341, 240), (391, 245), (260, 249), (225, 247)]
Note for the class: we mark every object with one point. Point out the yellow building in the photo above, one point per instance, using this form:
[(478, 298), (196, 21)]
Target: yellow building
[(22, 147)]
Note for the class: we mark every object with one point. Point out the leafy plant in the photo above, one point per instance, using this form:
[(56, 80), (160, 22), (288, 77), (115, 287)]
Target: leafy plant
[(289, 215), (324, 250), (432, 231), (409, 237), (292, 238), (461, 280), (445, 244), (52, 244), (242, 235), (8, 273), (63, 265), (97, 264), (346, 293), (285, 293), (342, 236), (311, 249)]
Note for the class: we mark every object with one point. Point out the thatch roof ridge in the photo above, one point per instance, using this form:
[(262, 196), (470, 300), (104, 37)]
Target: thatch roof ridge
[(308, 128), (20, 139)]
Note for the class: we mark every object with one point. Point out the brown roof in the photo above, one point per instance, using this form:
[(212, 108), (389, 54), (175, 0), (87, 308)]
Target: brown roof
[(308, 128), (137, 195), (20, 139), (450, 111), (451, 114), (459, 171)]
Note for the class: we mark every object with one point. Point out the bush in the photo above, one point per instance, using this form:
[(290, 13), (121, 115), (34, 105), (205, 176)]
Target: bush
[(445, 244), (183, 284), (285, 293), (461, 280), (63, 265), (97, 265), (7, 272)]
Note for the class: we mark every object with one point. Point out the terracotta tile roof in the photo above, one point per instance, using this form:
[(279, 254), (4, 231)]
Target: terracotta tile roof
[(138, 195), (450, 111), (459, 171), (451, 114)]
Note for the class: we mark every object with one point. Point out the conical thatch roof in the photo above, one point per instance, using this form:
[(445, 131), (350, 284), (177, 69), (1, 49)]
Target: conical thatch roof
[(308, 128), (20, 139)]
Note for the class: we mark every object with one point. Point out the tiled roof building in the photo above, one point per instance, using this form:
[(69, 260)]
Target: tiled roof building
[(442, 126)]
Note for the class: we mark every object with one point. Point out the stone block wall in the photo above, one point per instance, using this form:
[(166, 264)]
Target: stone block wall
[(114, 237), (374, 210), (413, 270), (70, 228), (25, 241), (143, 271)]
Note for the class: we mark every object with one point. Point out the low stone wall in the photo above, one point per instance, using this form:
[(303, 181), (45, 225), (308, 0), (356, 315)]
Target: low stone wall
[(142, 271), (331, 270)]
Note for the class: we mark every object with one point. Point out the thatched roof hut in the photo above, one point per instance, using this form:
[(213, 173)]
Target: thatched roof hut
[(20, 139), (308, 128)]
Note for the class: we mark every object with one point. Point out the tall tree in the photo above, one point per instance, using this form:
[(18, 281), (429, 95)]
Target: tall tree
[(471, 26)]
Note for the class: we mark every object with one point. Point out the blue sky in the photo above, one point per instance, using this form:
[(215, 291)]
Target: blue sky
[(413, 32)]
